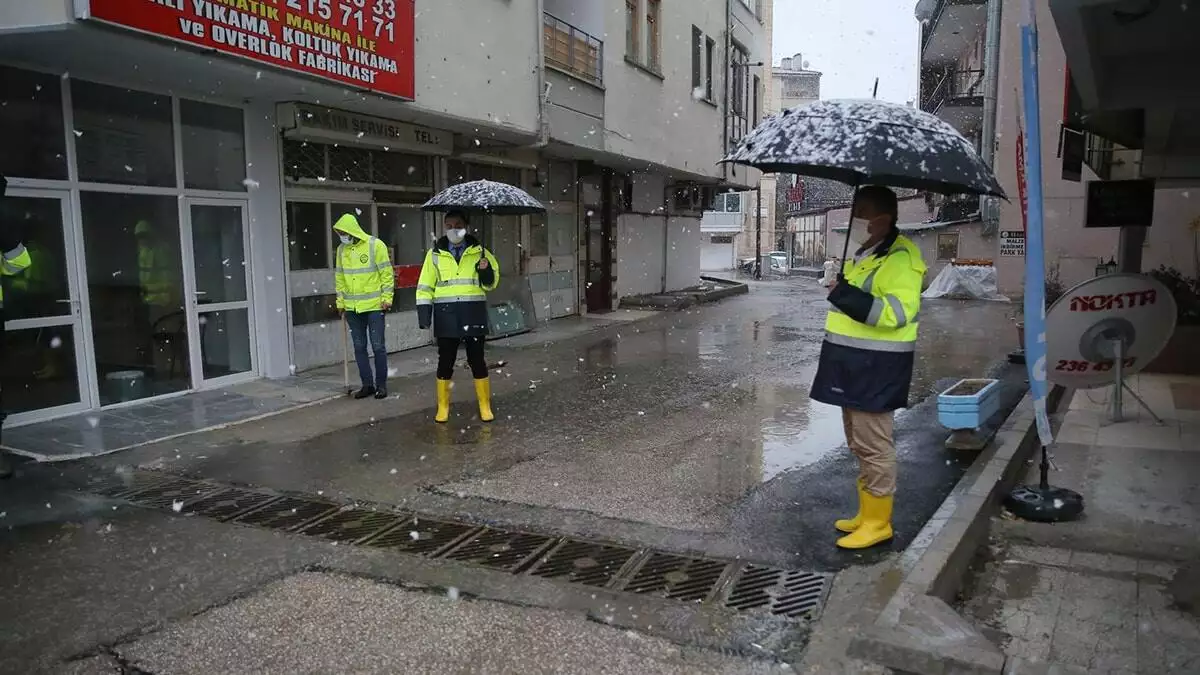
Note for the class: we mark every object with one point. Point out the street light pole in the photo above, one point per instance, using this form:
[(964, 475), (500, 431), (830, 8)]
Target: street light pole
[(758, 230)]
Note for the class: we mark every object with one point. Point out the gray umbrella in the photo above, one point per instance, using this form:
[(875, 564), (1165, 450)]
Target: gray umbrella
[(861, 142), (485, 196)]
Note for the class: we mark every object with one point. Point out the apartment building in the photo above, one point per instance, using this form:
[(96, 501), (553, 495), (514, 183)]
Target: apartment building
[(219, 140), (1110, 143)]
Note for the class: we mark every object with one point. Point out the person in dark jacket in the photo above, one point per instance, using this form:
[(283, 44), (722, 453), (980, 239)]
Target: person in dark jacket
[(452, 292), (866, 360)]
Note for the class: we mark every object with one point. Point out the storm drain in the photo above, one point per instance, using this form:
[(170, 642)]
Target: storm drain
[(677, 577), (791, 594)]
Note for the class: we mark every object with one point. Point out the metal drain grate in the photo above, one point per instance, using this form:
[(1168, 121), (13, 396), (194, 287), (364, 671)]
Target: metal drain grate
[(124, 484), (228, 503), (169, 493), (286, 513), (789, 593), (583, 562), (421, 536), (677, 577), (500, 550), (352, 525)]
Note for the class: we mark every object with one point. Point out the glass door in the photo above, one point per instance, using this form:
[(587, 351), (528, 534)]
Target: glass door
[(219, 316), (44, 372)]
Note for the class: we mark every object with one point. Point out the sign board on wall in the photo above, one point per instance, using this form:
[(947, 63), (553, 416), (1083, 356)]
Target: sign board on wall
[(1012, 243), (313, 122), (367, 44)]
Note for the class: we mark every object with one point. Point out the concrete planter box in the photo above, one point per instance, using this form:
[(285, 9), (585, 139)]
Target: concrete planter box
[(969, 403)]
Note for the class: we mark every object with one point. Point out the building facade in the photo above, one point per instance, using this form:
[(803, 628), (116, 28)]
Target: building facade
[(1077, 150), (176, 169)]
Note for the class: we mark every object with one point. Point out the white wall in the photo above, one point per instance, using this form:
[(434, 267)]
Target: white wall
[(454, 75), (640, 240), (27, 14), (684, 241)]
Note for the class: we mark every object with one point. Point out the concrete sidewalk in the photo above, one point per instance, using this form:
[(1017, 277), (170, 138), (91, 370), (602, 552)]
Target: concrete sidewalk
[(1105, 594)]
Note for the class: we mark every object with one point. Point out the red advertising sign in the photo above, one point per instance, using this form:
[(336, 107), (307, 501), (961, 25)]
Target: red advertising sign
[(367, 44), (407, 275)]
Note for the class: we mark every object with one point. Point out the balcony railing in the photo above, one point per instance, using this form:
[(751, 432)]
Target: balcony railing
[(572, 50), (954, 84)]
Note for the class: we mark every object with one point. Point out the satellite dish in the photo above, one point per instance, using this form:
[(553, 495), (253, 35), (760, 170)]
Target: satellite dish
[(1131, 315)]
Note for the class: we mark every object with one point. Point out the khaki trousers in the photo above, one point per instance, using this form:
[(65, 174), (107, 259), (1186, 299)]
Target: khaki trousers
[(869, 436)]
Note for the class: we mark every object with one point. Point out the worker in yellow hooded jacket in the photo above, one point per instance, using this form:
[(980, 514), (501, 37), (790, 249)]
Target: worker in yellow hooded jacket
[(365, 284)]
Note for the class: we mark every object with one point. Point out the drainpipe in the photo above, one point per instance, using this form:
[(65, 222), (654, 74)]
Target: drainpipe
[(666, 232), (991, 88), (726, 87), (543, 90)]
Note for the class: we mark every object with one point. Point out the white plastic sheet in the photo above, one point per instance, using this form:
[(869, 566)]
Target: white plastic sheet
[(966, 283)]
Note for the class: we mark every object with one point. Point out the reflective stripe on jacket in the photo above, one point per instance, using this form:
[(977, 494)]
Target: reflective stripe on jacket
[(868, 365), (364, 279), (14, 262), (452, 294)]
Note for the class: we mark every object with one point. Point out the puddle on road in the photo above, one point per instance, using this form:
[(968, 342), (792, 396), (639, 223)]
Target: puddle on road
[(796, 431)]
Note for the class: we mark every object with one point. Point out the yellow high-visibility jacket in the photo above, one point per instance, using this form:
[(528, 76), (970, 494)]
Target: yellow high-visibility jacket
[(14, 261), (452, 293), (871, 330), (362, 272)]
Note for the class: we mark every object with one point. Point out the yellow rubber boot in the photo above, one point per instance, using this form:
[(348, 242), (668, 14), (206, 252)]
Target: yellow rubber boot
[(483, 391), (443, 400), (876, 525), (851, 524)]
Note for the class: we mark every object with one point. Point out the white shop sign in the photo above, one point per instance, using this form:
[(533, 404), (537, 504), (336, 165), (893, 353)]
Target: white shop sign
[(1012, 243)]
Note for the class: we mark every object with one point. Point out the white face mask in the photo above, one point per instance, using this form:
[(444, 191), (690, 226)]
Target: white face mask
[(345, 238), (860, 225), (456, 236)]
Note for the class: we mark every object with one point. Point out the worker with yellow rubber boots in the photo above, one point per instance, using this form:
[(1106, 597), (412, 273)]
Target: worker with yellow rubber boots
[(452, 298), (867, 357)]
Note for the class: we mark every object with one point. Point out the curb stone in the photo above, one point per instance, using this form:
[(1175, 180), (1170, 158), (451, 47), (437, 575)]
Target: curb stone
[(918, 631)]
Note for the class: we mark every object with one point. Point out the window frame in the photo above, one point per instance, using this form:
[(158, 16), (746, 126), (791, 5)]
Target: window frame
[(710, 51), (633, 34), (697, 58), (957, 244), (653, 31)]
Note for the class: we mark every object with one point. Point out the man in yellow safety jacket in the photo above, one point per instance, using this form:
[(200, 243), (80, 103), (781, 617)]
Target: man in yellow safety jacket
[(365, 284), (14, 259), (867, 357), (452, 298)]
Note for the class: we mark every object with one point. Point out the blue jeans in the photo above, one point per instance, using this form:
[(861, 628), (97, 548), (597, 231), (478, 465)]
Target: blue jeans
[(360, 325)]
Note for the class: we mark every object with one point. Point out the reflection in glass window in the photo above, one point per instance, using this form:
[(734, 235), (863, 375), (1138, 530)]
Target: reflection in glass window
[(306, 228), (214, 146), (403, 229), (123, 136), (31, 122), (135, 288), (42, 289)]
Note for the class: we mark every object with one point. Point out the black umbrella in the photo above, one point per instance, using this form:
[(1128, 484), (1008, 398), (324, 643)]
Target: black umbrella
[(868, 142), (485, 196)]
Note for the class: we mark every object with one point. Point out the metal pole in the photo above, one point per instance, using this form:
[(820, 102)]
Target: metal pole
[(991, 81), (758, 231), (1118, 386)]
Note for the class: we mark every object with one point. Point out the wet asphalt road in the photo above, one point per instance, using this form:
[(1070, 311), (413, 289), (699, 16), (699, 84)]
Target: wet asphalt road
[(689, 431)]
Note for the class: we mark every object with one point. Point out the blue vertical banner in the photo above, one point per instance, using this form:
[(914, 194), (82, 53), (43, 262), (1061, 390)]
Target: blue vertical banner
[(1035, 249)]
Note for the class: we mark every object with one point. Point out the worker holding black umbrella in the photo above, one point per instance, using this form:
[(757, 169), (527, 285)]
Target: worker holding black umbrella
[(869, 349), (458, 273)]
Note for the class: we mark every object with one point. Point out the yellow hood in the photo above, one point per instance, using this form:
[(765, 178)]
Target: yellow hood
[(348, 223)]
